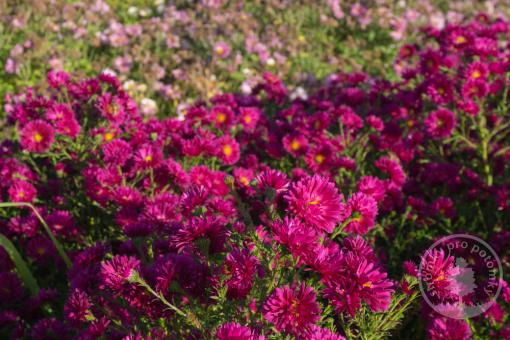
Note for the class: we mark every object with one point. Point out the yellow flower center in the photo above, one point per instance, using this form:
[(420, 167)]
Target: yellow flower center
[(227, 150), (220, 50), (221, 117), (108, 136), (244, 181), (247, 119), (111, 109), (38, 137), (314, 202), (367, 284), (460, 39), (476, 74), (295, 145), (320, 158), (148, 158), (21, 194)]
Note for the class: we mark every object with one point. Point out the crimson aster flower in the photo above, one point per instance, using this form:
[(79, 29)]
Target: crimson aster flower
[(292, 310), (363, 210), (447, 328), (228, 150), (437, 271), (37, 136), (116, 272), (317, 202), (440, 123), (317, 333), (235, 331), (21, 191)]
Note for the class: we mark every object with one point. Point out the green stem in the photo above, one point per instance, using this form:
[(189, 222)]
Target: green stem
[(190, 318), (56, 243)]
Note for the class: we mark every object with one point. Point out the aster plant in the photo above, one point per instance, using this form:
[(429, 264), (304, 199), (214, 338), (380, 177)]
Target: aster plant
[(257, 216)]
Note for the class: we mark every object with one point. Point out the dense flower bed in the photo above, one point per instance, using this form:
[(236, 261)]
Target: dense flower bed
[(261, 215)]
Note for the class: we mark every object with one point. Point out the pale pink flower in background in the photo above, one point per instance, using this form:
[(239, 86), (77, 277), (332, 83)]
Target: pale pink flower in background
[(11, 66), (56, 64), (437, 20), (336, 9), (222, 49)]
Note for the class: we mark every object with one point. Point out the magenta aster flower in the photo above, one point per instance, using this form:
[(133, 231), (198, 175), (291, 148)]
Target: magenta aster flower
[(148, 156), (360, 280), (440, 123), (292, 310), (77, 307), (363, 210), (116, 272), (317, 333), (37, 136), (295, 144), (317, 202), (301, 241), (437, 271), (241, 267), (117, 152), (208, 228), (393, 169), (372, 186), (448, 329), (273, 179), (249, 117), (235, 331), (21, 191), (228, 150)]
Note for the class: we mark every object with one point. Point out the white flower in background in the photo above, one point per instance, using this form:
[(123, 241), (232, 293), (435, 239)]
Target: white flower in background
[(247, 72), (145, 12), (270, 62), (300, 93), (141, 88), (182, 110), (133, 11), (148, 107), (109, 72), (159, 2), (129, 85)]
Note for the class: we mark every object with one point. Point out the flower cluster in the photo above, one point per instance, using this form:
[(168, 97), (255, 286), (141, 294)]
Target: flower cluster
[(257, 215)]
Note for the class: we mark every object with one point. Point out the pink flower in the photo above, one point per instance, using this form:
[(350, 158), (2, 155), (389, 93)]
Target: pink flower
[(37, 136), (301, 241), (440, 123), (359, 279), (317, 202), (447, 328), (228, 150), (372, 186), (292, 310), (209, 229), (249, 117), (318, 333), (21, 191), (363, 210), (116, 272), (235, 331), (222, 49), (241, 268), (437, 271)]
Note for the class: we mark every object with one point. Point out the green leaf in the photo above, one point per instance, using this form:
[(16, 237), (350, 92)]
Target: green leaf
[(21, 266)]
